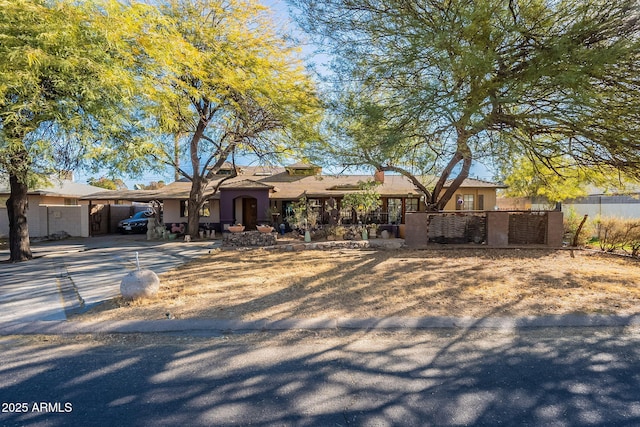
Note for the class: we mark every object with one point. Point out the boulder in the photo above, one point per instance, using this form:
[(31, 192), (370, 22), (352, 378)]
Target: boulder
[(139, 284)]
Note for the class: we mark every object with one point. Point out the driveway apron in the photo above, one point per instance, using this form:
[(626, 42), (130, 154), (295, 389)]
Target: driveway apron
[(76, 277)]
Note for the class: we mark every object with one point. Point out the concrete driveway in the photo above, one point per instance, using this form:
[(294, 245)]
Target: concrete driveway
[(74, 274)]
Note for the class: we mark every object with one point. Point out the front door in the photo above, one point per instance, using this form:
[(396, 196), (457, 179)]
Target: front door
[(249, 213)]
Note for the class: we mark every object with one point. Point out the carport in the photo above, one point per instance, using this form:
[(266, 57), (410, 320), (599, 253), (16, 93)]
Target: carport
[(104, 218)]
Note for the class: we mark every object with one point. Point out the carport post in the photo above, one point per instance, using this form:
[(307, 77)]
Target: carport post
[(90, 225)]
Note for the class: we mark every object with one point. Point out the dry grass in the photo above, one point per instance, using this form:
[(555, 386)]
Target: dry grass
[(351, 283)]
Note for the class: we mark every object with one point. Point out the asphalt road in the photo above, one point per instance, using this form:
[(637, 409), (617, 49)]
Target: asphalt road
[(536, 377)]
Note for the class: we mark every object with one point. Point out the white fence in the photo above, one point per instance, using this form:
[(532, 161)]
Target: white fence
[(608, 206)]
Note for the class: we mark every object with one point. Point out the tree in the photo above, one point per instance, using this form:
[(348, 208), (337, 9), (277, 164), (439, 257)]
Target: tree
[(557, 181), (109, 184), (363, 201), (64, 98), (432, 85), (151, 186), (238, 89)]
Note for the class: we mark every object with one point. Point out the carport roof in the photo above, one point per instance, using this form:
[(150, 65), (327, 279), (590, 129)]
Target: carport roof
[(133, 195), (62, 188)]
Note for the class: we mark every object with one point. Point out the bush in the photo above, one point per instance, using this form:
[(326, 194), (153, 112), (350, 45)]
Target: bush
[(612, 233), (632, 245), (571, 223), (619, 234)]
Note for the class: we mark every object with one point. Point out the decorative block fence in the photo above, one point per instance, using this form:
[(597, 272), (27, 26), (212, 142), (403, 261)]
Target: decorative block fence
[(493, 228)]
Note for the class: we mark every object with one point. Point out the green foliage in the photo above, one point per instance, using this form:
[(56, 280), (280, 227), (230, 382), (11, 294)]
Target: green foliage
[(67, 98), (151, 186), (224, 83), (101, 83), (238, 86), (571, 222), (64, 96), (103, 182), (557, 180), (364, 201), (303, 216), (437, 84)]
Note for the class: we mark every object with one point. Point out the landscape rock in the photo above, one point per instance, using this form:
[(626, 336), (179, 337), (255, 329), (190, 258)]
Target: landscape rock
[(59, 235), (139, 284)]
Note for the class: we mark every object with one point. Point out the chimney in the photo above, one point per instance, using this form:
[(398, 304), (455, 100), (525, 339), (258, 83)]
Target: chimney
[(378, 176)]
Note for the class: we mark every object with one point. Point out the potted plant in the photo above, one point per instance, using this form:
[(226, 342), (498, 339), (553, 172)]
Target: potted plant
[(238, 228), (373, 230), (264, 228)]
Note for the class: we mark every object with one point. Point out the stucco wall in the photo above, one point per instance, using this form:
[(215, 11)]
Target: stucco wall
[(171, 212), (72, 219), (57, 200), (36, 220), (498, 233), (230, 204), (489, 194), (46, 220), (4, 223)]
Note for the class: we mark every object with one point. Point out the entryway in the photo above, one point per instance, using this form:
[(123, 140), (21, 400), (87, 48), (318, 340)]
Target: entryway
[(249, 213)]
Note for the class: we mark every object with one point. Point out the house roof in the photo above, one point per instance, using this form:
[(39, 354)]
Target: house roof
[(62, 188), (288, 187), (245, 184)]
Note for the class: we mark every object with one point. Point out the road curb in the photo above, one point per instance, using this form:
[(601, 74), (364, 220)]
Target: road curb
[(219, 326)]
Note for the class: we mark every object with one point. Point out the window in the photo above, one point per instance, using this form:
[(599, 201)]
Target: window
[(314, 203), (70, 202), (411, 205), (481, 202), (467, 202), (184, 209), (394, 210)]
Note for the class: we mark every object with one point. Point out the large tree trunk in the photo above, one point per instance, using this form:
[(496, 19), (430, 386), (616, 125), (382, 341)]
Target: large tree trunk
[(440, 199), (194, 204), (19, 245), (455, 184)]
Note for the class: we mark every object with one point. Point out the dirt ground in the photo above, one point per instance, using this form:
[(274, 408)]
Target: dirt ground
[(274, 285)]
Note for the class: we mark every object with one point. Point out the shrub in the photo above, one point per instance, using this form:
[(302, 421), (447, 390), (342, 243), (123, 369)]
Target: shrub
[(571, 223), (619, 234), (612, 233), (302, 217), (632, 244)]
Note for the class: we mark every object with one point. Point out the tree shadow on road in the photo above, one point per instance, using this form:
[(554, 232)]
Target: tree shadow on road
[(537, 377)]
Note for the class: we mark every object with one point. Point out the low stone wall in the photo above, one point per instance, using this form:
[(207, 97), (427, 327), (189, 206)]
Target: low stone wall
[(249, 238), (330, 245)]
